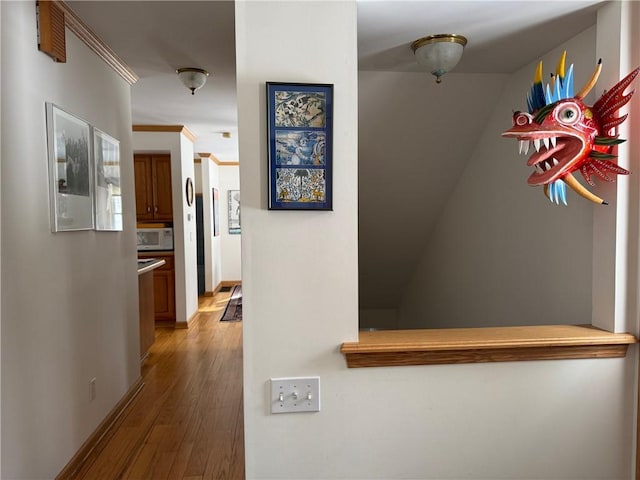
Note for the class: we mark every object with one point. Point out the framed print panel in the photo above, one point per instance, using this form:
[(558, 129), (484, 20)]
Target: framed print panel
[(234, 212), (106, 151), (300, 136), (70, 171)]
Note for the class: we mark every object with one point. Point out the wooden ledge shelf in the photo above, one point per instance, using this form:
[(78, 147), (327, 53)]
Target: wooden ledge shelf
[(385, 348)]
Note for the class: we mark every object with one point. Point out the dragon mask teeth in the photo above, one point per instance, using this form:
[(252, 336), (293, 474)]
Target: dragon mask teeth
[(524, 143)]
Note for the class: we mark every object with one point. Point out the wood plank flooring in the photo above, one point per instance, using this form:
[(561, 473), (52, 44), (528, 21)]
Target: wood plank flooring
[(187, 422)]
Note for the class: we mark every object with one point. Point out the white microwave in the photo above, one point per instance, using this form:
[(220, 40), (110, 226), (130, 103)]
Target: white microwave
[(155, 238)]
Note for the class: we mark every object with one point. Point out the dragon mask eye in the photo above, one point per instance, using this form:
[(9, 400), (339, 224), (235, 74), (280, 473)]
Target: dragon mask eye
[(521, 119), (568, 114)]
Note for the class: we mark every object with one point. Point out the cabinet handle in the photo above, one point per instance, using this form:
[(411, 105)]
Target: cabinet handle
[(156, 209), (148, 209)]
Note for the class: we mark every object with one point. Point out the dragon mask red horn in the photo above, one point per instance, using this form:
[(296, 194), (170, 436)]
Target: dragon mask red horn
[(568, 135)]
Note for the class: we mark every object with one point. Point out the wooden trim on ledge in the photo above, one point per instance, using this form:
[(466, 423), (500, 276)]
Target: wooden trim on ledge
[(110, 421), (166, 129), (386, 348), (74, 23)]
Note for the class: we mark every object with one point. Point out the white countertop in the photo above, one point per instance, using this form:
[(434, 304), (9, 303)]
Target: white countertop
[(148, 264)]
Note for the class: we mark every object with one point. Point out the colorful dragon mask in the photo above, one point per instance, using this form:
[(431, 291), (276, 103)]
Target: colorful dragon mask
[(568, 135)]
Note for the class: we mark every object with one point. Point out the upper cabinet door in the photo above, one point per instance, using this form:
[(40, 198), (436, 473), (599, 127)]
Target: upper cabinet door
[(162, 197), (153, 187), (144, 188)]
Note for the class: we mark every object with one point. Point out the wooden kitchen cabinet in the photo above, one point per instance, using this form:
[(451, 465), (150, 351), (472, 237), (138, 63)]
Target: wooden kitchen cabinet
[(153, 187), (164, 288)]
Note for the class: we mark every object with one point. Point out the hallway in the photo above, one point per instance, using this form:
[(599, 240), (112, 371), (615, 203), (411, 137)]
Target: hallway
[(187, 422)]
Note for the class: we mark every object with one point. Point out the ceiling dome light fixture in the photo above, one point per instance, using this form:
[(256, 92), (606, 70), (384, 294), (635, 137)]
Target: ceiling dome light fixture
[(439, 53), (193, 78)]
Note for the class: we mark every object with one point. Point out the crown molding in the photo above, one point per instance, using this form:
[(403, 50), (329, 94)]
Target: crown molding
[(166, 128), (215, 160), (75, 24)]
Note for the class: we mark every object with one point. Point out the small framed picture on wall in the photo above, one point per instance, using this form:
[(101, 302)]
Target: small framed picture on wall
[(108, 194), (71, 182), (234, 212), (300, 136)]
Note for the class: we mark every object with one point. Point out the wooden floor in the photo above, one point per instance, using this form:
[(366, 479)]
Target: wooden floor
[(187, 422)]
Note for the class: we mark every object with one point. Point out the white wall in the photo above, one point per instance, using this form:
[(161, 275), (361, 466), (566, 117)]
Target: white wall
[(222, 253), (615, 256), (197, 181), (414, 139), (0, 250), (545, 420), (185, 220), (70, 299), (501, 253), (378, 318), (212, 244), (230, 244), (184, 217)]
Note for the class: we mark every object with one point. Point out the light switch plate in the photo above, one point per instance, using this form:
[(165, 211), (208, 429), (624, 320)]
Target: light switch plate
[(295, 394)]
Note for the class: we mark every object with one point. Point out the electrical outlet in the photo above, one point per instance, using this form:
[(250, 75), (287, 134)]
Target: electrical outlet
[(296, 394), (92, 389)]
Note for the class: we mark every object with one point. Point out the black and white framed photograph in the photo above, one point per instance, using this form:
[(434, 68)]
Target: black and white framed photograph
[(108, 194), (234, 212), (70, 171)]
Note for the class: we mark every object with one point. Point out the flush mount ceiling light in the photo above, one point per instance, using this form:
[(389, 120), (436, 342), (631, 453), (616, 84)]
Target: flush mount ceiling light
[(440, 53), (193, 78)]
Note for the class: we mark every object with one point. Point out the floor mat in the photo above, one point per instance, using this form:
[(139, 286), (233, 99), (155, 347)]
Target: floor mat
[(233, 312)]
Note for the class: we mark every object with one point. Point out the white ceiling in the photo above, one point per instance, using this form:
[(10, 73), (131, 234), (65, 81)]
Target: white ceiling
[(156, 37), (502, 35)]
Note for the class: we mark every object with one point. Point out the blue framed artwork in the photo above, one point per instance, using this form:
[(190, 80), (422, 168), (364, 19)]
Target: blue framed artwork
[(300, 127)]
